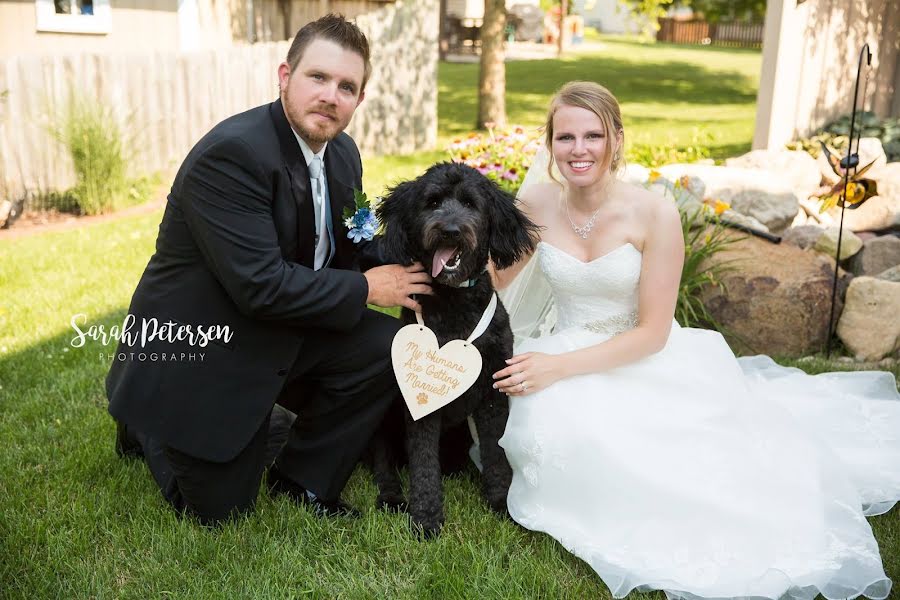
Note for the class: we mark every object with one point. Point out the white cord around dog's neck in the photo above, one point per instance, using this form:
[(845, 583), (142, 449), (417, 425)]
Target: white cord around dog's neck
[(483, 323)]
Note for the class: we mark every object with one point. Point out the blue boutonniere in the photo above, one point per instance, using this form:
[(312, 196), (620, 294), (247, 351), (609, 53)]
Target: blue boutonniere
[(363, 223)]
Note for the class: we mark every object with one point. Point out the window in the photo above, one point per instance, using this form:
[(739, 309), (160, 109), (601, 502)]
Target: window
[(74, 16)]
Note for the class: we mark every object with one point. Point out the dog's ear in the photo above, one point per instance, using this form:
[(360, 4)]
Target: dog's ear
[(513, 235), (395, 214)]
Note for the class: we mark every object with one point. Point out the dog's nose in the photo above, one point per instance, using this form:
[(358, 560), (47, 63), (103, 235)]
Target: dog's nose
[(451, 231)]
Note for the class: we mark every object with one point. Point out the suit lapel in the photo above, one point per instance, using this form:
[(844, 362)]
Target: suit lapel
[(300, 186), (340, 195)]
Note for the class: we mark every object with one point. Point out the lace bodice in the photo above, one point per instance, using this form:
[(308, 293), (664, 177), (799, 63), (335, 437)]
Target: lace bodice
[(600, 295)]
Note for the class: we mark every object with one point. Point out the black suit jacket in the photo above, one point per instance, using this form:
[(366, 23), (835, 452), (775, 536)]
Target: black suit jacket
[(235, 248)]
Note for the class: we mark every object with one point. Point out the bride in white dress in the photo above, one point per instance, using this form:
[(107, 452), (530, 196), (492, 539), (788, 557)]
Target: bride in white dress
[(648, 450)]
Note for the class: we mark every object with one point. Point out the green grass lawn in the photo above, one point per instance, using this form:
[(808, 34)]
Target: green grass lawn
[(77, 522)]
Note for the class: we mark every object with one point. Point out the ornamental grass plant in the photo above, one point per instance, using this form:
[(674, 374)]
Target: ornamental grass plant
[(94, 139)]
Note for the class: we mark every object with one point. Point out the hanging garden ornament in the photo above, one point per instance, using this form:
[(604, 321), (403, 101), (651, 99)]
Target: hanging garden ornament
[(843, 194), (858, 189)]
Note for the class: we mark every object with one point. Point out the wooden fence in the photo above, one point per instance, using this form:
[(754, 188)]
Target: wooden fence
[(735, 35), (164, 102)]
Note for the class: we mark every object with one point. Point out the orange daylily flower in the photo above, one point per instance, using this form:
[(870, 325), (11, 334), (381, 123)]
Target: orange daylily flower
[(716, 205), (720, 206)]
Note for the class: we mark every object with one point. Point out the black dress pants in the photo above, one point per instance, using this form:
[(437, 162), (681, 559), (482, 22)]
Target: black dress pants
[(340, 387)]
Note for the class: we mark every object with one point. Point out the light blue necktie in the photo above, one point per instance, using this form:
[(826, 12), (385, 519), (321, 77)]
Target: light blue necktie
[(317, 177)]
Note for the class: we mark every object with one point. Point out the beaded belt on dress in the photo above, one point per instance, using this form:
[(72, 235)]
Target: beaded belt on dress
[(613, 325)]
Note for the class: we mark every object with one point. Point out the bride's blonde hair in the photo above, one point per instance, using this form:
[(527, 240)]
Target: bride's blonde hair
[(600, 101)]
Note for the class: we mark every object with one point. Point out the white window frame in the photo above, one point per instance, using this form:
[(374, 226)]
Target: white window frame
[(49, 20)]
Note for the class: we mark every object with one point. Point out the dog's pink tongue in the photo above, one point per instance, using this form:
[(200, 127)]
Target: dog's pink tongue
[(441, 256)]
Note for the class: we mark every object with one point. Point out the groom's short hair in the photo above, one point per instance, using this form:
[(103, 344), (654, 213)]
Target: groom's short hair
[(334, 28)]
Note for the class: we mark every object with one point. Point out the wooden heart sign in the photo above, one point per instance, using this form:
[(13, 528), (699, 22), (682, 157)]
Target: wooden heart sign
[(431, 377)]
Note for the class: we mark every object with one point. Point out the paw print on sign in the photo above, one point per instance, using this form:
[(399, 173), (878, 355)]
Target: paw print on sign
[(422, 398)]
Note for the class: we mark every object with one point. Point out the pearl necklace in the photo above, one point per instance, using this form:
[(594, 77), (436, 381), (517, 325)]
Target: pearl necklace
[(582, 232)]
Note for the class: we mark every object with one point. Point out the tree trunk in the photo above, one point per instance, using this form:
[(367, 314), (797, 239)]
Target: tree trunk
[(563, 11), (443, 41), (492, 76)]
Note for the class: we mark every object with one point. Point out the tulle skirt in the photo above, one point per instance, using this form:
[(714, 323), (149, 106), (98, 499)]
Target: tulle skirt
[(708, 476)]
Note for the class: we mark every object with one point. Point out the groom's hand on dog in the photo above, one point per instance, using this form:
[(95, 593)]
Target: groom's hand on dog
[(393, 285)]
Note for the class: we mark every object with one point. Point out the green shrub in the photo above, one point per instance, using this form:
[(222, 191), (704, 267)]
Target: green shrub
[(704, 236), (656, 155), (92, 135), (836, 135)]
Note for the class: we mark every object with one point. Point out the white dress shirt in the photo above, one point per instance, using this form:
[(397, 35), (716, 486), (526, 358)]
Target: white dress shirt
[(319, 189)]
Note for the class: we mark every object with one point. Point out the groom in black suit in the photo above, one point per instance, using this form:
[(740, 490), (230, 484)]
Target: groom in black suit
[(253, 239)]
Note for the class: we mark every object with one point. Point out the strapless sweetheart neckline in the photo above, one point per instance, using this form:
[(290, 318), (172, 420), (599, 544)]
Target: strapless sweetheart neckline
[(593, 260)]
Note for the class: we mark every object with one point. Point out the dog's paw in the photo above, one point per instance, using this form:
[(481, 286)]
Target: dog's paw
[(391, 503), (498, 506), (426, 531)]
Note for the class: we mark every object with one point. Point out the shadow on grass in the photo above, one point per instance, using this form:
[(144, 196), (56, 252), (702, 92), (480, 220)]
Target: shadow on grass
[(76, 521)]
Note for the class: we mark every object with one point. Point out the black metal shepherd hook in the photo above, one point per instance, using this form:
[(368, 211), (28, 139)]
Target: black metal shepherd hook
[(850, 161)]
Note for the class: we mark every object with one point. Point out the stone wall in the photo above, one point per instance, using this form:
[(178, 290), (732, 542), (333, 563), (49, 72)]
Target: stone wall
[(399, 114)]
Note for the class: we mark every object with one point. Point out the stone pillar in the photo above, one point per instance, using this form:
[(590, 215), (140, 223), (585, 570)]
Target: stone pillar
[(783, 50), (810, 57)]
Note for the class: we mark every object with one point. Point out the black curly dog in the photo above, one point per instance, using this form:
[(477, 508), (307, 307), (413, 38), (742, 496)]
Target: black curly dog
[(453, 219)]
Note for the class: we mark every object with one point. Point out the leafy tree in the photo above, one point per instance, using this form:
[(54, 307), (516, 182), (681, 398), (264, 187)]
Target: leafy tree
[(712, 10), (653, 10), (730, 10)]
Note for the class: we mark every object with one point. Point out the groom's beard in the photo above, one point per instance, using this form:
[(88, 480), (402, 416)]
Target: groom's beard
[(316, 133), (320, 135)]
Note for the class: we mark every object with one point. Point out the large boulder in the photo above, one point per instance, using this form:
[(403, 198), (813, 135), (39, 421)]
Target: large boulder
[(795, 166), (763, 195), (881, 212), (877, 255), (875, 214), (635, 173), (865, 236), (828, 243), (777, 298), (888, 179), (869, 149), (869, 326), (811, 208), (892, 274), (737, 218), (804, 236), (802, 219), (684, 193)]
